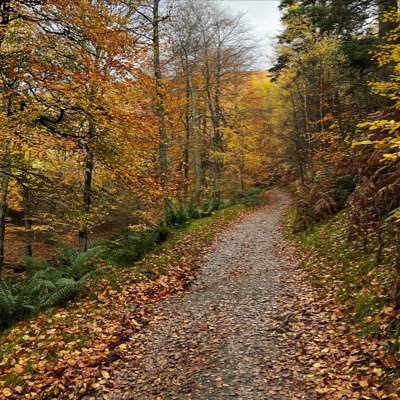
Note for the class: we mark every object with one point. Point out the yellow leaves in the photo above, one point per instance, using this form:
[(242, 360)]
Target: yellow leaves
[(387, 131), (7, 392), (391, 141), (18, 389), (396, 54), (391, 157), (362, 142), (18, 369), (378, 371), (323, 390), (105, 374)]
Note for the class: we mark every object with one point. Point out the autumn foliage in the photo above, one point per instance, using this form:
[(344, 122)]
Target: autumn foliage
[(118, 123)]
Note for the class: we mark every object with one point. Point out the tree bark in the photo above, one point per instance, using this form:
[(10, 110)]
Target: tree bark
[(217, 126), (5, 11), (87, 199), (160, 109), (5, 180), (186, 150), (196, 154), (26, 195)]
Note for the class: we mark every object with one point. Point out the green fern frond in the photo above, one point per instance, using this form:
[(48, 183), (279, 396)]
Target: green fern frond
[(59, 295), (7, 300), (80, 265)]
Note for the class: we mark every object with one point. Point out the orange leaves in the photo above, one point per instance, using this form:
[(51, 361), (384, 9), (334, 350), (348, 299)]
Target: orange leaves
[(73, 352), (342, 363)]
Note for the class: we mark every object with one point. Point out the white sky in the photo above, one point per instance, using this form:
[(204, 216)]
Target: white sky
[(264, 17)]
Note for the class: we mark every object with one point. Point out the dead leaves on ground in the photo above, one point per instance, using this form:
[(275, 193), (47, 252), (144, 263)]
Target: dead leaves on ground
[(70, 353), (341, 363)]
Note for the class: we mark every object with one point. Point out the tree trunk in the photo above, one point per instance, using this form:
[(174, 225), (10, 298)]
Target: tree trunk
[(87, 200), (26, 195), (205, 159), (214, 110), (187, 139), (5, 180), (5, 11), (160, 109), (218, 146), (195, 133)]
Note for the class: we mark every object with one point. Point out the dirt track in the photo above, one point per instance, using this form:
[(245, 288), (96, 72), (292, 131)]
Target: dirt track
[(224, 338)]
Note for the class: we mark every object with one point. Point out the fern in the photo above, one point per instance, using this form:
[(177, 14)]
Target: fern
[(34, 264), (67, 288), (60, 294), (45, 288), (81, 265), (7, 301), (14, 303)]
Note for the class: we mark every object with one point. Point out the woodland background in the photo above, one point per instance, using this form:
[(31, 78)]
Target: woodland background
[(121, 120)]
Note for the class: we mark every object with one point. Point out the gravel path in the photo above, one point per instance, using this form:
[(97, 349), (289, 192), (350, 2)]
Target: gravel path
[(224, 338)]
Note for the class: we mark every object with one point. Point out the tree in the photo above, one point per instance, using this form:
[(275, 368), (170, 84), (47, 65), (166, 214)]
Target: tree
[(385, 132)]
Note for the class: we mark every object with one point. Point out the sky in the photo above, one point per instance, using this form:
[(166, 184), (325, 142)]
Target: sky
[(264, 17)]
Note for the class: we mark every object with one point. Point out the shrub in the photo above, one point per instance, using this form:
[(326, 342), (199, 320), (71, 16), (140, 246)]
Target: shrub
[(45, 286), (176, 215), (252, 197), (32, 264), (130, 246), (66, 255)]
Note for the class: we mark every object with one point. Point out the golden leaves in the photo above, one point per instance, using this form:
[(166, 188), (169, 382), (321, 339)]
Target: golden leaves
[(74, 351)]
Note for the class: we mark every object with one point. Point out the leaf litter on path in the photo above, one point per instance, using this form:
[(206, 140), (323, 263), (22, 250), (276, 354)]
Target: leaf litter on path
[(248, 326), (226, 337)]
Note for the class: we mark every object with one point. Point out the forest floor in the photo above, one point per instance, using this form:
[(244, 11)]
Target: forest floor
[(223, 310), (229, 335)]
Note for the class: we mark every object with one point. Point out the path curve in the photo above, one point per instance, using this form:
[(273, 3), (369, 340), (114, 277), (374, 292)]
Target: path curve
[(219, 340)]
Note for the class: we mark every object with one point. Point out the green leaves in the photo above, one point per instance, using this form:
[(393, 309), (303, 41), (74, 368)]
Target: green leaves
[(45, 287)]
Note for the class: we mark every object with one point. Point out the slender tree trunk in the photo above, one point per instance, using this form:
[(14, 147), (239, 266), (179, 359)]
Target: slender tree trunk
[(297, 139), (5, 180), (217, 107), (214, 108), (187, 139), (87, 199), (217, 128), (306, 128), (5, 11), (205, 160), (241, 174), (160, 109), (196, 154), (26, 195)]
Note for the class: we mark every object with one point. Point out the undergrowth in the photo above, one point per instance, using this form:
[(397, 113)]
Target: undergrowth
[(362, 284), (45, 285), (48, 283), (71, 346)]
